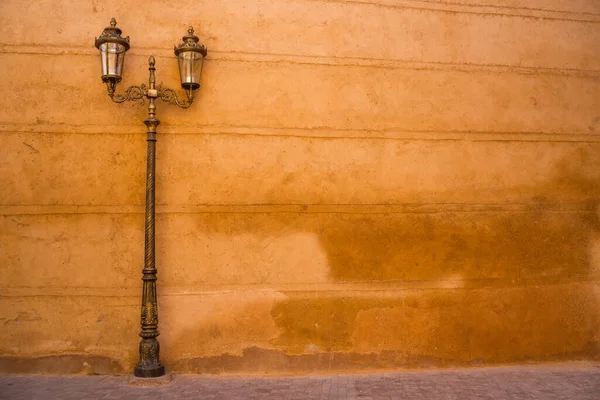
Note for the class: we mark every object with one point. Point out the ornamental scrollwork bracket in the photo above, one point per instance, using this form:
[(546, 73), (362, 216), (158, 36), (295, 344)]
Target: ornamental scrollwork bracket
[(139, 93), (170, 96), (133, 93)]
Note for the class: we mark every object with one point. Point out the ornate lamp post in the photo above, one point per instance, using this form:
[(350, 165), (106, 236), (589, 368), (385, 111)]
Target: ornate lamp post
[(190, 55)]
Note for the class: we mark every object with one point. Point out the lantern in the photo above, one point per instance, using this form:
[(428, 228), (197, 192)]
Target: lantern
[(190, 55), (112, 48)]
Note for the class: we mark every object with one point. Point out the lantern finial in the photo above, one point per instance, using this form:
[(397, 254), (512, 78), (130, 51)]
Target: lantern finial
[(113, 21)]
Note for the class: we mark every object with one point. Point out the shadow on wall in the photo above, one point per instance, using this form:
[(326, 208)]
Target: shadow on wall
[(463, 287)]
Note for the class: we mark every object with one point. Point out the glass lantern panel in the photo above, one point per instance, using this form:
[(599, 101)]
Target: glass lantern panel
[(190, 67), (113, 58)]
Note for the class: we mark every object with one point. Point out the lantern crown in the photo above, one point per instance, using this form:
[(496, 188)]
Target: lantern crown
[(112, 34), (190, 43)]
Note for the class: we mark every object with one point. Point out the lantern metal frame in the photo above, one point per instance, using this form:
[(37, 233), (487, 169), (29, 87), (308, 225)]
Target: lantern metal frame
[(149, 362), (189, 46), (112, 34)]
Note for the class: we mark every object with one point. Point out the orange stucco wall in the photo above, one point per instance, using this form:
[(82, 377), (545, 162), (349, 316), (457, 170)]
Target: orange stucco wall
[(358, 185)]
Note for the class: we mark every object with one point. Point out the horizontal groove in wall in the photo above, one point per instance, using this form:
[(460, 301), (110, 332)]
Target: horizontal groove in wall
[(383, 288), (381, 63), (483, 10), (300, 133), (491, 4), (41, 209)]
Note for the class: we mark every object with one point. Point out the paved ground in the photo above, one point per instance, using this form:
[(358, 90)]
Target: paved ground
[(576, 381)]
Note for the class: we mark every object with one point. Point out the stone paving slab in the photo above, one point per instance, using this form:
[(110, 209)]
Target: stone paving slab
[(577, 381)]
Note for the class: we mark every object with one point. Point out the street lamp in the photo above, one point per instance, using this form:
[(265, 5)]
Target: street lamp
[(190, 55)]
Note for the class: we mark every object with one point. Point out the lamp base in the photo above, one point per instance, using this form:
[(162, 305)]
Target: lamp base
[(142, 372), (149, 365)]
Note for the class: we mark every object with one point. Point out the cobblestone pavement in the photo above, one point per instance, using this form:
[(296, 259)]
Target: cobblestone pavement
[(579, 380)]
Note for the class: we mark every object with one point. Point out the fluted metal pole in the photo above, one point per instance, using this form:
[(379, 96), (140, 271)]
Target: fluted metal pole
[(149, 364)]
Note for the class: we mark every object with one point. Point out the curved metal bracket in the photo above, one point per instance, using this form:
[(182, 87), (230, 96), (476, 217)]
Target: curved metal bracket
[(170, 96), (133, 93)]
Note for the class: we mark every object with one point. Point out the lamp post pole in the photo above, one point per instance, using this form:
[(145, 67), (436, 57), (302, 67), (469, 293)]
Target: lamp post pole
[(149, 364), (190, 55)]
